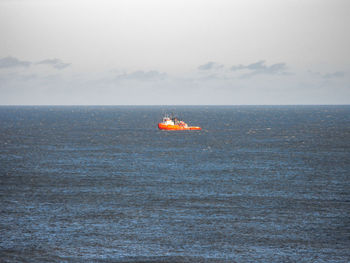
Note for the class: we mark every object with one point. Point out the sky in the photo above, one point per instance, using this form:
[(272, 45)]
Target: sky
[(174, 52)]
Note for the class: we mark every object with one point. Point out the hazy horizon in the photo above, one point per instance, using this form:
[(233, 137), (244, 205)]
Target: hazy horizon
[(160, 105)]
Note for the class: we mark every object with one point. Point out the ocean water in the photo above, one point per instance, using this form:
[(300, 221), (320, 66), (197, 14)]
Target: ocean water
[(103, 184)]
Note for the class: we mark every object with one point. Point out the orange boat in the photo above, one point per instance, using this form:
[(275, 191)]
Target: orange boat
[(173, 124)]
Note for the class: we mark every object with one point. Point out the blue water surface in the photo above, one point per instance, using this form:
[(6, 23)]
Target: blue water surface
[(103, 184)]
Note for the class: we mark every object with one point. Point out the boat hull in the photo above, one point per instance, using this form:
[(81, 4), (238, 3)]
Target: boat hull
[(168, 127)]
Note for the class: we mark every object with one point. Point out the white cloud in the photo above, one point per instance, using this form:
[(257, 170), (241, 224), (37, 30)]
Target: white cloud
[(11, 62), (211, 66), (55, 63), (260, 67), (39, 84)]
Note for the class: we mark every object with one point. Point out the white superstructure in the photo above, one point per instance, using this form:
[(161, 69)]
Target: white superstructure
[(168, 121)]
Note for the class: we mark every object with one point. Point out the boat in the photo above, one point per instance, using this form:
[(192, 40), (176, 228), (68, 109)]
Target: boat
[(173, 124)]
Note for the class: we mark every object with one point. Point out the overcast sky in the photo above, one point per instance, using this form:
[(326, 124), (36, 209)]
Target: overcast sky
[(174, 52)]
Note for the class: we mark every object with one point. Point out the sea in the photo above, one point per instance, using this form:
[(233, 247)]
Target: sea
[(103, 184)]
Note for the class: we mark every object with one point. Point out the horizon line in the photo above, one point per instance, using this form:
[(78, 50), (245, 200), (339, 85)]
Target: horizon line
[(160, 105)]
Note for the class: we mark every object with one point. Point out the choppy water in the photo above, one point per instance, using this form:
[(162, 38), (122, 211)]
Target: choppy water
[(103, 184)]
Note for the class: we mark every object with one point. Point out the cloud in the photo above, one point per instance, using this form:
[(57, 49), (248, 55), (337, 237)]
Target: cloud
[(260, 67), (337, 74), (11, 62), (142, 75), (153, 87), (56, 63), (238, 67), (210, 65)]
